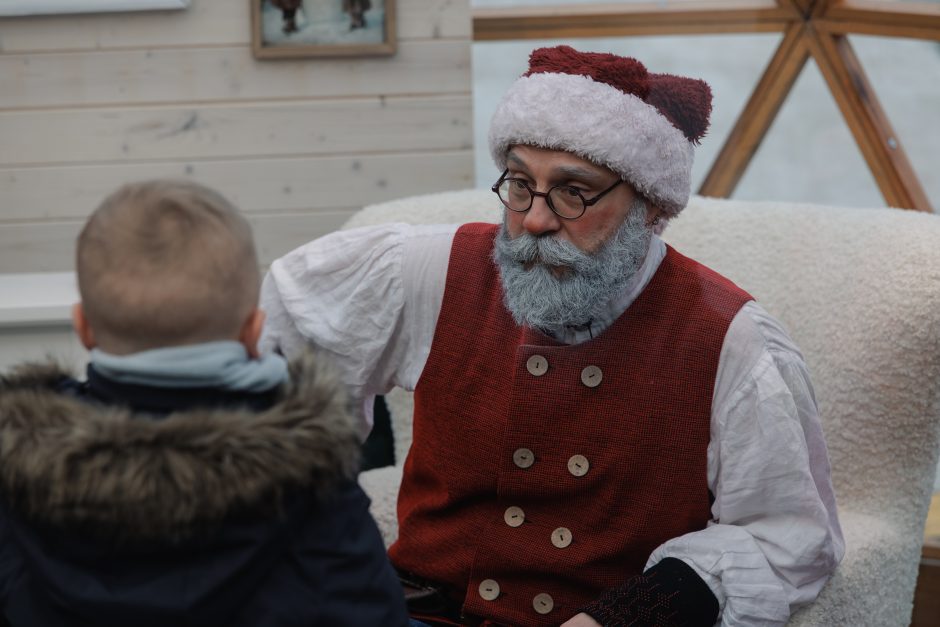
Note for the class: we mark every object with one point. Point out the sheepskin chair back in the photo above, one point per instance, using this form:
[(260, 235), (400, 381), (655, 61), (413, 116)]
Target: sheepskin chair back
[(859, 291)]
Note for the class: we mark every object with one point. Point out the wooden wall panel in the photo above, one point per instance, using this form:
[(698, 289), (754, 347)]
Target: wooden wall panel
[(203, 24), (38, 246), (254, 185), (315, 127), (40, 343), (89, 102), (50, 246), (279, 234), (173, 75)]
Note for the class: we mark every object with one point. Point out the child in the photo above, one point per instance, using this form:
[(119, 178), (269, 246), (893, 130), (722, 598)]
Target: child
[(189, 480)]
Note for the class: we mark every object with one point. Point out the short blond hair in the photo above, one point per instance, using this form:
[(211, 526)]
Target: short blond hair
[(166, 263)]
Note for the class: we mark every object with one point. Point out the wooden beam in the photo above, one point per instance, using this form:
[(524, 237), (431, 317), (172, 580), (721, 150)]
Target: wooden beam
[(818, 8), (758, 114), (867, 121), (611, 20), (917, 20), (881, 30), (881, 11), (803, 7)]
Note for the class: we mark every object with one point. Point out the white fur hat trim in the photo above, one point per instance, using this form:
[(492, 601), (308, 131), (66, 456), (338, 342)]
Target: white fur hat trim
[(599, 123)]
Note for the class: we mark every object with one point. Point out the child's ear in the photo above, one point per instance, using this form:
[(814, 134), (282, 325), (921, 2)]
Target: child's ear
[(251, 332), (82, 328)]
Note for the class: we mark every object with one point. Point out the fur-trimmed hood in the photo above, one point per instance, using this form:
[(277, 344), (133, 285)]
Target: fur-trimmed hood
[(72, 463)]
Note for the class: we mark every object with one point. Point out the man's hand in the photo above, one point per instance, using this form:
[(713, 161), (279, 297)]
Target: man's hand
[(581, 620)]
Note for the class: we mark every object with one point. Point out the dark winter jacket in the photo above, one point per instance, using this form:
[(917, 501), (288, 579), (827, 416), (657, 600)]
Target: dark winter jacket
[(216, 514)]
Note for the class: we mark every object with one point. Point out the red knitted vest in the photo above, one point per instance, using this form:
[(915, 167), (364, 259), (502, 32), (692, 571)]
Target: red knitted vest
[(492, 431)]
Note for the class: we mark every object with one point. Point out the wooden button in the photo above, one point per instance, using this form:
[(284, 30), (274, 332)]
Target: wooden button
[(489, 590), (592, 376), (537, 365), (561, 537), (514, 516), (523, 458), (578, 465), (543, 603)]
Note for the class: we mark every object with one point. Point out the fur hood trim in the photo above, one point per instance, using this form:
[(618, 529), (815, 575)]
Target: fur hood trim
[(71, 463)]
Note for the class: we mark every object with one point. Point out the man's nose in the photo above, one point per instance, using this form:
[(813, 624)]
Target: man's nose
[(540, 218)]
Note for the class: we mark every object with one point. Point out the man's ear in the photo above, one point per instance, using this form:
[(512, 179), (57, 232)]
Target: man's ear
[(251, 332), (82, 328)]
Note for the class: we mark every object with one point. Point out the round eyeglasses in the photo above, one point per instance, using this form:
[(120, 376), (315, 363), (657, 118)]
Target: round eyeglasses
[(565, 201)]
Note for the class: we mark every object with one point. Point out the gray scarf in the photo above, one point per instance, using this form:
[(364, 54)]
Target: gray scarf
[(224, 365)]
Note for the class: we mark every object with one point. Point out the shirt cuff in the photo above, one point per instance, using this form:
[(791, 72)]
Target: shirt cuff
[(669, 594)]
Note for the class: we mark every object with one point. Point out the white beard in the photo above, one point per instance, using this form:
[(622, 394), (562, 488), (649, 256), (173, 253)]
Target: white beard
[(539, 299)]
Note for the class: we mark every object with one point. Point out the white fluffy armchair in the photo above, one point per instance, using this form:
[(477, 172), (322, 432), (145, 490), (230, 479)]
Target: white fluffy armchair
[(859, 291)]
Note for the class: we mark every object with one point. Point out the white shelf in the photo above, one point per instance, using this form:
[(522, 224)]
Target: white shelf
[(37, 298)]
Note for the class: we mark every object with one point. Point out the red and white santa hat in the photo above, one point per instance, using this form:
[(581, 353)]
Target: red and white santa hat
[(609, 110)]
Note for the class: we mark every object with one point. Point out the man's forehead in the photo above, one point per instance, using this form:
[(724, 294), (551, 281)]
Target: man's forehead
[(559, 161)]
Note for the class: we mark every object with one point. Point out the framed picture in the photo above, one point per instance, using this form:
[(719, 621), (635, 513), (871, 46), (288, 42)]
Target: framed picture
[(322, 28), (52, 7)]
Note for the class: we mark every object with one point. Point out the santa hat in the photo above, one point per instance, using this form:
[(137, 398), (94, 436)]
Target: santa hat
[(612, 112)]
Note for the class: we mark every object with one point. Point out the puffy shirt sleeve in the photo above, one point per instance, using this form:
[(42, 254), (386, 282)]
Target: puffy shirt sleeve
[(369, 297), (774, 538)]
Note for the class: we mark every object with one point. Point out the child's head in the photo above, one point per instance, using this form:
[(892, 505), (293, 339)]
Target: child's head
[(166, 263)]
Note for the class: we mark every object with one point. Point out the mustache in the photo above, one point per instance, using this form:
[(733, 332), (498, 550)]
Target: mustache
[(528, 250)]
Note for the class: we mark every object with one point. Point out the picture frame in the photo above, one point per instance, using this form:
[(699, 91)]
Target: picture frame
[(291, 29), (13, 8)]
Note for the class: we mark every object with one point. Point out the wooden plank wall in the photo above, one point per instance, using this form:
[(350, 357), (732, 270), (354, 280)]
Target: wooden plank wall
[(90, 102)]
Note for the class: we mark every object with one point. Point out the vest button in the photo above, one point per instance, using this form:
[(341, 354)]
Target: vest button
[(561, 537), (543, 603), (537, 365), (514, 516), (592, 376), (578, 465), (523, 458), (489, 590)]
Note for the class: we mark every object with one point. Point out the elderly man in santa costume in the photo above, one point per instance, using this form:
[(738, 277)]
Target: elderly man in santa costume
[(605, 431)]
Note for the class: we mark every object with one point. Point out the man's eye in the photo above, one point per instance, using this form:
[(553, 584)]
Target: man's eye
[(572, 191), (519, 185)]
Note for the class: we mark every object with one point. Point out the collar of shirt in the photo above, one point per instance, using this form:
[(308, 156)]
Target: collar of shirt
[(618, 304)]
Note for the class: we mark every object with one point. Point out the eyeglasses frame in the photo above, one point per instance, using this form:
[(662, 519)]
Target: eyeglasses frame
[(533, 193)]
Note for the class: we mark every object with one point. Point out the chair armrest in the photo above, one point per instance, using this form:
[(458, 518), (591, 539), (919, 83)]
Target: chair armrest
[(874, 584)]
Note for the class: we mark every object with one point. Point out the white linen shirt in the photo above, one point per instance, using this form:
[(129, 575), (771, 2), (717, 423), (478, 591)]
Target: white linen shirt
[(371, 297)]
